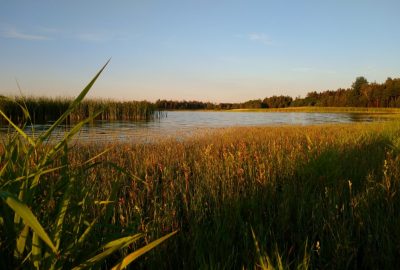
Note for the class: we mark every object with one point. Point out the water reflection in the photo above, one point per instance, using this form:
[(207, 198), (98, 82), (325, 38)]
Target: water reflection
[(178, 124)]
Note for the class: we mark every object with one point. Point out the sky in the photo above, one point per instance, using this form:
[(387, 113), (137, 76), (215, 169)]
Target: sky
[(208, 50)]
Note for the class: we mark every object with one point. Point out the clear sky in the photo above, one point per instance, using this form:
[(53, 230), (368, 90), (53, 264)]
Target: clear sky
[(209, 50)]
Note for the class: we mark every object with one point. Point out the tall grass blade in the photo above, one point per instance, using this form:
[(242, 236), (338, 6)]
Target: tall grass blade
[(62, 212), (36, 251), (263, 263), (136, 254), (20, 131), (72, 106), (67, 137), (108, 210), (32, 175), (28, 217), (61, 144), (122, 241), (96, 156), (21, 242), (85, 234), (109, 249)]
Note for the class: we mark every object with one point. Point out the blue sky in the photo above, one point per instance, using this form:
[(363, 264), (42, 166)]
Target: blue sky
[(219, 51)]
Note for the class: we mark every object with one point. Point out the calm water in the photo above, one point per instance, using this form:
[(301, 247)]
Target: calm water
[(180, 124)]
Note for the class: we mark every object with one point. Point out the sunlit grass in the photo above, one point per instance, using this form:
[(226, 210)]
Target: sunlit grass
[(316, 196)]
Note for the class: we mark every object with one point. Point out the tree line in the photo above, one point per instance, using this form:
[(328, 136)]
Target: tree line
[(360, 94)]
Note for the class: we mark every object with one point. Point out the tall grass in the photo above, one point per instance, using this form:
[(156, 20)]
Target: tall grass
[(48, 220), (43, 110), (317, 197)]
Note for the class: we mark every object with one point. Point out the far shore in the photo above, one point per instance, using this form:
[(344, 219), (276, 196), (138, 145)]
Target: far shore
[(308, 109), (368, 110)]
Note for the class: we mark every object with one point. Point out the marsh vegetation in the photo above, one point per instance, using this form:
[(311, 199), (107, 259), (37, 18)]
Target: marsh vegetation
[(43, 110), (318, 196), (321, 196)]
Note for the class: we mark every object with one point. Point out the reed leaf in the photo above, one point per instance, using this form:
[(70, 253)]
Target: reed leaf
[(122, 241), (21, 242), (62, 212), (20, 131), (28, 217), (85, 234), (73, 105), (36, 251), (67, 137), (32, 175), (109, 249), (136, 254)]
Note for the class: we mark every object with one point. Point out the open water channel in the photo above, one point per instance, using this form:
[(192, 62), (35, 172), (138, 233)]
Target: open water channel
[(178, 124)]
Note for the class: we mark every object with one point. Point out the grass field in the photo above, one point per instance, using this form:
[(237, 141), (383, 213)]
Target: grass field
[(329, 193), (316, 197)]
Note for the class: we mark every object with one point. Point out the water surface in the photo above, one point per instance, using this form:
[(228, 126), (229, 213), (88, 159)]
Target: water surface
[(178, 124)]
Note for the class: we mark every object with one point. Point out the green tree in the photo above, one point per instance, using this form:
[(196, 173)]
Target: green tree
[(354, 98), (358, 84)]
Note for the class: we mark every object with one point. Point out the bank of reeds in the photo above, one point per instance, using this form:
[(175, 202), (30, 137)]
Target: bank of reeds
[(44, 109), (315, 197)]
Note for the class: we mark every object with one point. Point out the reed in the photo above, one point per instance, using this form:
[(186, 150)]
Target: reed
[(43, 109), (48, 220), (315, 196)]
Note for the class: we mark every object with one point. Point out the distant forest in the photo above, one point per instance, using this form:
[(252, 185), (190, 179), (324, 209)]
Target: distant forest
[(44, 109), (361, 94)]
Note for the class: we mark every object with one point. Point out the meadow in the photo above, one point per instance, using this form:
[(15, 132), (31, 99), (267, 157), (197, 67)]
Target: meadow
[(290, 197), (315, 197)]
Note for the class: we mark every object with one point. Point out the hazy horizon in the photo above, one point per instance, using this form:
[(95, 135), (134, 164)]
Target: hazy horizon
[(225, 51)]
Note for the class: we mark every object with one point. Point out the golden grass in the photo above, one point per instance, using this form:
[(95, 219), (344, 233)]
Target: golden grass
[(298, 187)]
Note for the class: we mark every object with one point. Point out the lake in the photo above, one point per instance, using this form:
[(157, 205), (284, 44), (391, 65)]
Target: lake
[(178, 124)]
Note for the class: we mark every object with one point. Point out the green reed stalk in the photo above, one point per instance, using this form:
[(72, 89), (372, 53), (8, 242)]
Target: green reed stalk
[(43, 220)]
